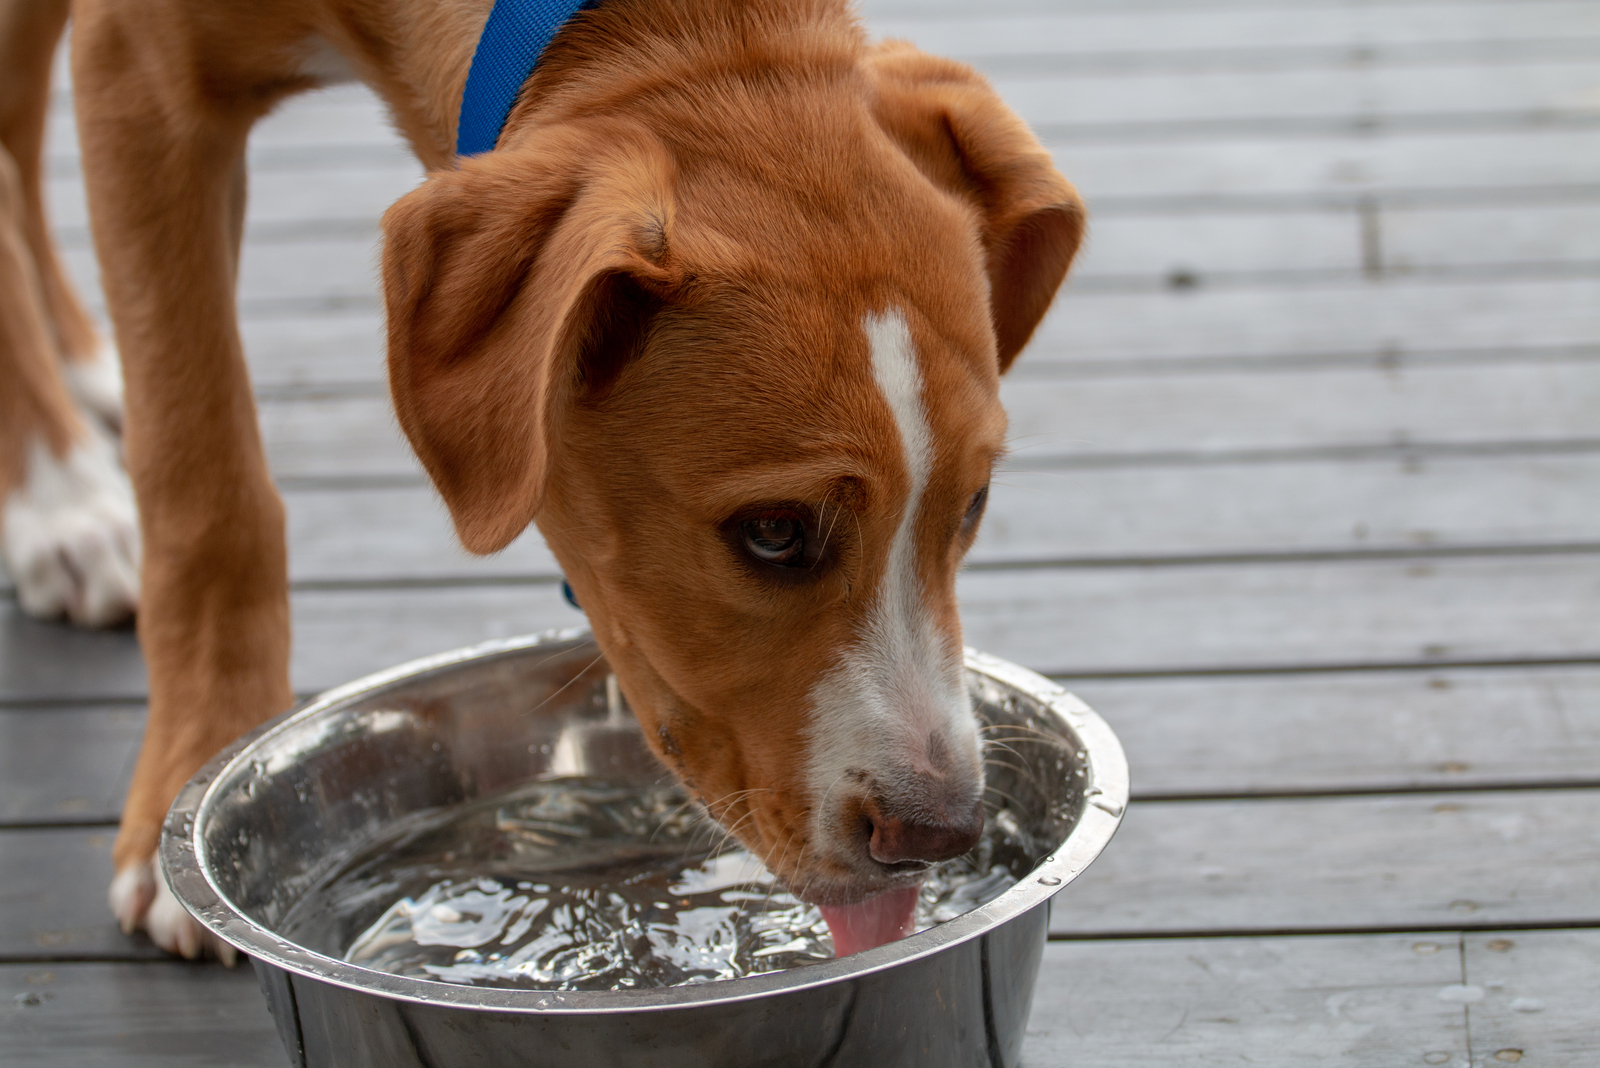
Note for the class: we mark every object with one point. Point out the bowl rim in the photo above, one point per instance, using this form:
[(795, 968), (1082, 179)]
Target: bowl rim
[(183, 859)]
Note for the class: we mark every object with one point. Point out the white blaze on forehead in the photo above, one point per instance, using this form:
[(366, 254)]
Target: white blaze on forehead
[(895, 707)]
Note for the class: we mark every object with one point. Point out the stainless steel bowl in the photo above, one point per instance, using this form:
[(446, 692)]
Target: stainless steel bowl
[(277, 810)]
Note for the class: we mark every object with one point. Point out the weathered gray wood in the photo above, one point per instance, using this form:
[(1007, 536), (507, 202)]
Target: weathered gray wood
[(1369, 1000), (1397, 315), (378, 533), (345, 435), (1528, 233), (66, 764), (1073, 621), (1246, 616), (1156, 245), (150, 1015), (1087, 621), (1348, 863), (52, 661), (294, 351), (1287, 507), (1241, 166), (54, 903), (280, 195), (1280, 865), (335, 436), (388, 534), (1303, 733), (1068, 28), (1295, 409), (1538, 991), (1130, 248), (1093, 103)]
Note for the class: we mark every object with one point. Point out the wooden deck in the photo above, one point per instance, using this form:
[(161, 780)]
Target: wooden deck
[(1305, 500)]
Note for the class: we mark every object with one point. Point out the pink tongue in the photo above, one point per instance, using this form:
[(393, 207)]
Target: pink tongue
[(874, 922)]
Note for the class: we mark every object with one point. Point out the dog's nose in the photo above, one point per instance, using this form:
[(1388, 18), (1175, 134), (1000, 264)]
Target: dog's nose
[(903, 833)]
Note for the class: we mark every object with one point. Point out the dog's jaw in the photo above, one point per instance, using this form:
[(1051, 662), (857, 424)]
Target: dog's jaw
[(894, 712), (71, 534)]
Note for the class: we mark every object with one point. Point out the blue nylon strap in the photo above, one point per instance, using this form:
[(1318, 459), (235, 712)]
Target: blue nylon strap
[(513, 39)]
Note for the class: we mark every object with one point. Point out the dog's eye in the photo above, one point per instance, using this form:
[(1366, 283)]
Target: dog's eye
[(975, 508), (776, 539)]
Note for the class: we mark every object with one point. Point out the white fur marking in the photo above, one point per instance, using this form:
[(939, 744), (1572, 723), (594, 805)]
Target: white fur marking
[(97, 383), (70, 537), (898, 687), (140, 898)]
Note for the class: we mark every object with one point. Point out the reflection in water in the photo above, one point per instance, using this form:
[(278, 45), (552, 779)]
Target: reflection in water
[(576, 884)]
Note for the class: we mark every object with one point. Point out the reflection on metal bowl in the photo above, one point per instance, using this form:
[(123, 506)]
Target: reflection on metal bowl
[(277, 811)]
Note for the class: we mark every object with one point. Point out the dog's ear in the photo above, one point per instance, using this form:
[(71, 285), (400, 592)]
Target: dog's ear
[(512, 284), (958, 132)]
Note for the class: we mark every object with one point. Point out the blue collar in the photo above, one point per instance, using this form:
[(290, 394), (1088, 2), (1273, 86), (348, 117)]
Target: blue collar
[(513, 39)]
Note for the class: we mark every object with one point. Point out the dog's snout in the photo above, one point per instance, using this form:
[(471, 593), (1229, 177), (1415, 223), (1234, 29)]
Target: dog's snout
[(902, 833)]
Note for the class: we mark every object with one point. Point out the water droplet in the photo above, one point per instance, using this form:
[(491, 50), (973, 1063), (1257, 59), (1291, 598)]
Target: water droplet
[(1527, 1005), (1425, 949), (1049, 880), (1508, 1055)]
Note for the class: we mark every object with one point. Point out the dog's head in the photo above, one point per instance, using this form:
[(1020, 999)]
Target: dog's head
[(739, 357)]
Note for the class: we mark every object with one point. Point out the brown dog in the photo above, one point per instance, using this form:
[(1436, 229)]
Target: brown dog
[(724, 313)]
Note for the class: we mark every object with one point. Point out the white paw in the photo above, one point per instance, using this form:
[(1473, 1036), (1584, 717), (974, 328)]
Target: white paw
[(141, 901), (69, 534), (97, 383)]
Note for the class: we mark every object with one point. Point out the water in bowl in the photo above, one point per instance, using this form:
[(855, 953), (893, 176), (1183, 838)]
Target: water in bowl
[(574, 883)]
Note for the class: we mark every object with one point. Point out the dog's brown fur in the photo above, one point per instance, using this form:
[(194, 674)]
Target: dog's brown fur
[(637, 320), (41, 320)]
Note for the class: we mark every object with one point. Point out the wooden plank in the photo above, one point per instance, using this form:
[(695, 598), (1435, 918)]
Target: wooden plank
[(1068, 29), (66, 764), (1368, 1000), (1100, 418), (1333, 166), (300, 350), (1317, 865), (380, 532), (1156, 245), (1251, 616), (377, 534), (1526, 233), (1320, 407), (1287, 507), (54, 898), (52, 661), (1396, 315), (309, 270), (152, 1015), (336, 436), (1538, 992), (1385, 730), (1067, 621), (340, 635), (1346, 863), (319, 184), (1092, 101), (1135, 247)]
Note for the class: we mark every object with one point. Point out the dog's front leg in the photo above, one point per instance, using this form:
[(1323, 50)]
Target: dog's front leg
[(163, 147)]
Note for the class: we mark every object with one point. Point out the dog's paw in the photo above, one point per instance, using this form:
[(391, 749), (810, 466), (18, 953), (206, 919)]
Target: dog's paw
[(70, 536), (141, 900), (97, 384)]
